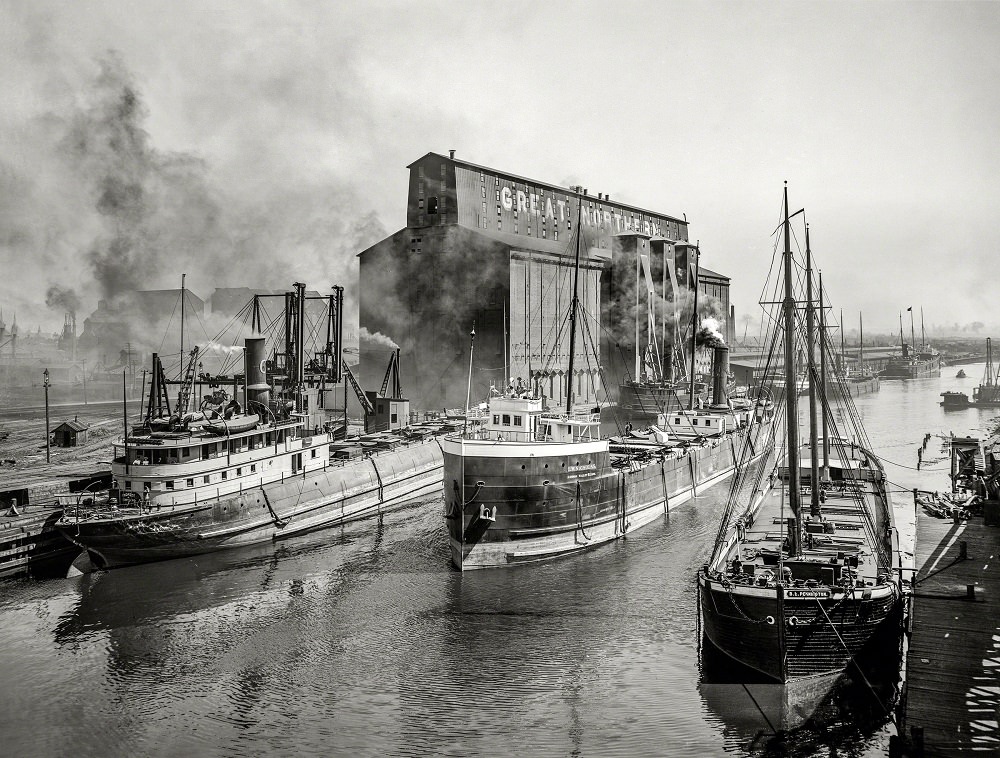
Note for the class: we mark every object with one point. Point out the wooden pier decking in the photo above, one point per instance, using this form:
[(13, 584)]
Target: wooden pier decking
[(953, 664)]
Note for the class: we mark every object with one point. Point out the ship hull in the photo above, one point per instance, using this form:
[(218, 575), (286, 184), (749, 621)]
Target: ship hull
[(511, 509), (332, 496), (916, 369), (788, 634), (854, 388)]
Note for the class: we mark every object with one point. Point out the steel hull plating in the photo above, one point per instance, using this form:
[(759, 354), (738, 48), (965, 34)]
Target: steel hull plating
[(855, 387), (319, 499), (515, 509), (915, 369), (786, 637)]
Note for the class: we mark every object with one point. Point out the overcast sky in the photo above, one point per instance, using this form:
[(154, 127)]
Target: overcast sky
[(294, 122)]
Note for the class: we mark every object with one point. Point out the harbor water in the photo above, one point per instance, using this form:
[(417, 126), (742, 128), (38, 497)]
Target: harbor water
[(364, 641)]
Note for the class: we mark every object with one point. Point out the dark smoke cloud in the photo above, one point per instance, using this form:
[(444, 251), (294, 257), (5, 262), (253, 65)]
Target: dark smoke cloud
[(60, 299), (92, 200)]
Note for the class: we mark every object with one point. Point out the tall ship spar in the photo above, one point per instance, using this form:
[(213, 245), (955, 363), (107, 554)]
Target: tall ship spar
[(912, 364), (270, 467), (532, 483), (807, 569)]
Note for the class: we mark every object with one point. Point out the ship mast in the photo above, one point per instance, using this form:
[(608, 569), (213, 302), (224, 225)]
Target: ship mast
[(861, 342), (180, 373), (811, 362), (694, 322), (843, 350), (300, 311), (822, 380), (791, 401), (923, 338), (575, 305)]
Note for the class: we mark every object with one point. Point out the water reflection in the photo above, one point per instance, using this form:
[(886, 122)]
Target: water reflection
[(836, 715)]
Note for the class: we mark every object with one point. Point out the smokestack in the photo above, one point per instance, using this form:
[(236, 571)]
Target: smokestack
[(258, 389), (451, 154), (720, 373)]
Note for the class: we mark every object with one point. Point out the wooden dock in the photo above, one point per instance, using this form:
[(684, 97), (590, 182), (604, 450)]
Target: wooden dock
[(952, 702)]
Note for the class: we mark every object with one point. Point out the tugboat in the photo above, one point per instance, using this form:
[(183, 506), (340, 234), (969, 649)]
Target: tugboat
[(806, 568), (534, 483), (236, 473)]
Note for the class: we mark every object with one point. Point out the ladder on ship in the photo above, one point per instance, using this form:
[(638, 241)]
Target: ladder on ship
[(184, 396)]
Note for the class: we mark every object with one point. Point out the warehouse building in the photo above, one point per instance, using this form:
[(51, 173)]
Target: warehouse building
[(493, 251)]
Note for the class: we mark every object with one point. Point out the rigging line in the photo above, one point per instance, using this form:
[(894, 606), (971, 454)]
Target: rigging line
[(600, 373)]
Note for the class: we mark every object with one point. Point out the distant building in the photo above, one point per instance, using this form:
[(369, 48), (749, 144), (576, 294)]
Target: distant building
[(493, 250)]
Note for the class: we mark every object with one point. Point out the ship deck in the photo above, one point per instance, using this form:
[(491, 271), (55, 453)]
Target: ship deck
[(840, 532)]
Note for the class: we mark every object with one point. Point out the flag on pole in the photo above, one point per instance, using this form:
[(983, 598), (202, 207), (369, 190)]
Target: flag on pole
[(910, 308)]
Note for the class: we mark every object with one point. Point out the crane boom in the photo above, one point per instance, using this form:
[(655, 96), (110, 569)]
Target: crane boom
[(365, 402)]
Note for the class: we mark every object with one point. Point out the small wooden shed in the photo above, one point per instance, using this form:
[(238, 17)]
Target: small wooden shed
[(69, 434)]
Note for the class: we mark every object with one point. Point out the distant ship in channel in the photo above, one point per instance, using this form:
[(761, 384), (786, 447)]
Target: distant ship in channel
[(913, 364), (187, 483), (807, 569), (533, 484)]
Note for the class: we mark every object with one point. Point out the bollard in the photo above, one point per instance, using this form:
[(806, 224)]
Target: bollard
[(970, 592), (963, 551)]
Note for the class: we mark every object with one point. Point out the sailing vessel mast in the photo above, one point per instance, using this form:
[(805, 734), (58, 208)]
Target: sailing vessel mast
[(861, 342), (923, 338), (575, 304), (791, 401), (811, 359), (822, 380)]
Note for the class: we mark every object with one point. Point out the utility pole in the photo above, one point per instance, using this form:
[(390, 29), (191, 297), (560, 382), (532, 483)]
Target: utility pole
[(45, 383)]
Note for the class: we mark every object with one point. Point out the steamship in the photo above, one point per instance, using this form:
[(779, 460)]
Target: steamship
[(913, 364), (807, 571), (268, 468), (533, 483)]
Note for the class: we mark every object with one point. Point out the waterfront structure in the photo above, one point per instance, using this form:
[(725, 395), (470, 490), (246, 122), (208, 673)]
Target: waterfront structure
[(489, 248)]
